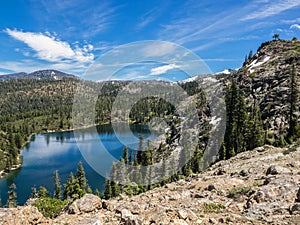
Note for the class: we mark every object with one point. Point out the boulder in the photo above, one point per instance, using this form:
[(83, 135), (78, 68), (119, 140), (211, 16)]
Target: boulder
[(274, 170), (88, 203)]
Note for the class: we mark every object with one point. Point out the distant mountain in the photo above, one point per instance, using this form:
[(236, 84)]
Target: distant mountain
[(40, 74)]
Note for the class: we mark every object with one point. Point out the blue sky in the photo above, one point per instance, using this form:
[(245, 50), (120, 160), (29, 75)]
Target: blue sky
[(70, 35)]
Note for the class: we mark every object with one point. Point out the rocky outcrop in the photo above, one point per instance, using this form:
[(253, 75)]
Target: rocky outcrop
[(265, 80), (254, 187)]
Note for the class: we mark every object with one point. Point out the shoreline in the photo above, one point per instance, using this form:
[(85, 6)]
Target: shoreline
[(3, 174)]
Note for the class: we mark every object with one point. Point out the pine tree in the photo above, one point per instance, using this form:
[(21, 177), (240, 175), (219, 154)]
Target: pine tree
[(96, 192), (12, 195), (43, 192), (34, 193), (115, 189), (89, 190), (139, 156), (72, 189), (80, 175), (256, 131), (107, 191), (236, 123), (293, 130), (125, 155), (57, 186)]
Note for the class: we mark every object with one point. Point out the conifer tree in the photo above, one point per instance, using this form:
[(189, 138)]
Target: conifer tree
[(96, 192), (115, 189), (293, 130), (43, 192), (80, 175), (125, 155), (57, 186), (139, 156), (12, 195), (107, 190), (34, 193)]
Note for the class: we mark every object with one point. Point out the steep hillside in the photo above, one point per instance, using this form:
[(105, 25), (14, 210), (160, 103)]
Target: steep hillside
[(265, 81)]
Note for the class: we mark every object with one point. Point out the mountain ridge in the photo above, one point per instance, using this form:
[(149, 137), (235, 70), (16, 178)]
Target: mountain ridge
[(39, 74)]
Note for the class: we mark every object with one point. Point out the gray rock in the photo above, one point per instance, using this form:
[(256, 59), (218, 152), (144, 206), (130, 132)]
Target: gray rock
[(274, 170), (88, 203), (298, 196), (295, 209)]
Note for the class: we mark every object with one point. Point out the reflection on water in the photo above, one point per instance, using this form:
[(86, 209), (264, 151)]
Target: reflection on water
[(59, 151)]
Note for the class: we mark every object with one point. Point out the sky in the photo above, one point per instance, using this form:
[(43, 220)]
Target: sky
[(70, 35)]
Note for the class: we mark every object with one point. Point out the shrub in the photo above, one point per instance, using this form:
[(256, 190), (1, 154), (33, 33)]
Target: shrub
[(49, 207), (237, 192), (212, 207)]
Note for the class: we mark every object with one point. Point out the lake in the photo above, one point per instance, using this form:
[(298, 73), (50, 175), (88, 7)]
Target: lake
[(59, 151)]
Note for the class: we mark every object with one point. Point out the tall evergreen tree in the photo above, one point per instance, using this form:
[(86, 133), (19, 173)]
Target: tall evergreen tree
[(80, 175), (256, 131), (125, 155), (107, 190), (293, 130), (139, 156), (236, 123), (57, 186), (12, 195)]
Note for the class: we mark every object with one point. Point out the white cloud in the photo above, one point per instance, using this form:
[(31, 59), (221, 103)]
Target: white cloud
[(297, 26), (51, 49), (163, 69), (274, 8)]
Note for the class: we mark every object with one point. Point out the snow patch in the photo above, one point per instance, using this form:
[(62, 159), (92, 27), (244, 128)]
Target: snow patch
[(256, 64), (227, 71), (214, 121)]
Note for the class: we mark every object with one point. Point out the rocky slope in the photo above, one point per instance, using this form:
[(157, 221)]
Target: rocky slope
[(255, 187), (265, 79)]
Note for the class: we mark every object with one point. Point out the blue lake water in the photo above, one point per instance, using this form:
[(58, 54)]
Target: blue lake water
[(59, 151)]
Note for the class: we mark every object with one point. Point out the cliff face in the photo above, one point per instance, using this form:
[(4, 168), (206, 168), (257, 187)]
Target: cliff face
[(255, 187), (265, 81)]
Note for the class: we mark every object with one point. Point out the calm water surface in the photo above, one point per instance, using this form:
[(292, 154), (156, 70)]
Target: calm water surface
[(58, 151)]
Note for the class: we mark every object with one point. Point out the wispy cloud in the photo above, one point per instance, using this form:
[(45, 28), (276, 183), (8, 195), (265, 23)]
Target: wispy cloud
[(272, 8), (149, 17), (163, 69), (94, 17), (51, 49), (296, 26)]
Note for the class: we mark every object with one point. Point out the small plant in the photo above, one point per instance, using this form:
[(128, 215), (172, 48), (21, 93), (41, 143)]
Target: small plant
[(50, 207), (213, 207), (289, 150), (237, 192)]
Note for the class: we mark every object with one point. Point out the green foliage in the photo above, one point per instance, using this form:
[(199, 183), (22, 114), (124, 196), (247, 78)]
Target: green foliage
[(49, 207), (237, 192), (213, 208), (294, 127), (107, 190), (72, 189), (43, 192), (57, 186), (236, 123), (12, 195), (80, 176)]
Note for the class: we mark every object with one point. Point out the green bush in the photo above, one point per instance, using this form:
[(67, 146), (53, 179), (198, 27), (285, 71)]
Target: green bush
[(237, 192), (213, 207), (49, 207)]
